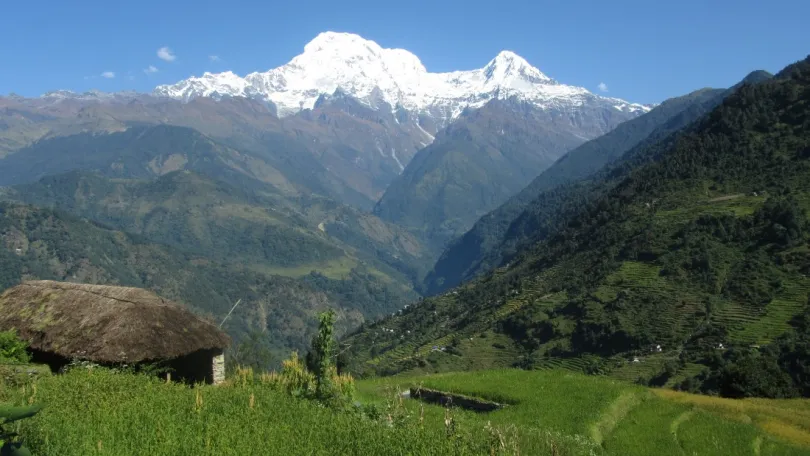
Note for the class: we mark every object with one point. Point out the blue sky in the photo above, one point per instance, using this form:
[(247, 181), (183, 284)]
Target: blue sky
[(643, 51)]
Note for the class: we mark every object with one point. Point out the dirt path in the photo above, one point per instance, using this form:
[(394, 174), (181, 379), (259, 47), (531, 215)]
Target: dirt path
[(726, 198)]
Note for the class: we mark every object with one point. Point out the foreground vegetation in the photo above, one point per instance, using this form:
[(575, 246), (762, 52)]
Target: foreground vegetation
[(299, 410), (309, 407), (136, 415), (551, 412)]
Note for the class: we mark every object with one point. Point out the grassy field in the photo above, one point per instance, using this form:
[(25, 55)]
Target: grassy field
[(581, 414), (103, 413), (547, 412)]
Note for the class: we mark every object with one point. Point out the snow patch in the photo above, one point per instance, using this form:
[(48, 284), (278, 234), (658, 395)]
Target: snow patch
[(394, 156)]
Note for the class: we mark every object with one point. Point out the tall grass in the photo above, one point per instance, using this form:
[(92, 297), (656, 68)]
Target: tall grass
[(99, 412)]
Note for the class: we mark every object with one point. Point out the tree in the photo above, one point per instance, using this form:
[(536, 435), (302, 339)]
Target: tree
[(320, 357)]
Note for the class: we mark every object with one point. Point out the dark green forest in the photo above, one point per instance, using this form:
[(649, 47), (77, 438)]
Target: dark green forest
[(697, 240)]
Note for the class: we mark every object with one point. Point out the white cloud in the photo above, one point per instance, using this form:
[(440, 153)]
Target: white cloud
[(150, 69), (603, 87), (108, 74), (166, 54), (214, 58)]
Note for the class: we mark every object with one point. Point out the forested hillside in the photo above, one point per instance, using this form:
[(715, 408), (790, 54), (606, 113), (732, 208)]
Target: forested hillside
[(499, 234), (46, 244), (262, 230), (692, 251)]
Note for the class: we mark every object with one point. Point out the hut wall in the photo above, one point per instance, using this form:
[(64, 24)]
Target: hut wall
[(218, 368)]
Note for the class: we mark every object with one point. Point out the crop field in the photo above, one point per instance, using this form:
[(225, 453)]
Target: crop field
[(788, 302), (553, 411), (104, 413), (739, 205), (578, 414)]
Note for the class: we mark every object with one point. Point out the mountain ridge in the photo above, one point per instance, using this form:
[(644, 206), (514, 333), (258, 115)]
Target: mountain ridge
[(396, 77)]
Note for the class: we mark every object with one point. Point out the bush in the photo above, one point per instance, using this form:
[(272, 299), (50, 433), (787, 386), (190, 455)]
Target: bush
[(12, 349)]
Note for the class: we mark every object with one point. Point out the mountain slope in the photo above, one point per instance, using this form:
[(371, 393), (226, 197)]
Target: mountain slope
[(696, 240), (45, 244), (482, 159), (141, 152), (340, 149), (230, 225), (501, 233)]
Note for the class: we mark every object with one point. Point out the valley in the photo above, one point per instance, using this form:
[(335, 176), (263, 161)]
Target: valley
[(383, 245)]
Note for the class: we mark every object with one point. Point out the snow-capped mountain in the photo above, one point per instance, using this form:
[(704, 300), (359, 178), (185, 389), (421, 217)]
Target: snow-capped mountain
[(375, 76)]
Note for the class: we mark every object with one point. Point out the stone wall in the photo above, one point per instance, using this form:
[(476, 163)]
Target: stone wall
[(219, 368), (450, 399)]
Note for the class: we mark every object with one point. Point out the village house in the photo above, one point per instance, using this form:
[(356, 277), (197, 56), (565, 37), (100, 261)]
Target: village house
[(110, 325)]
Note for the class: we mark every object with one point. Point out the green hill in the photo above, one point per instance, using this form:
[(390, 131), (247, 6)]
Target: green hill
[(496, 236), (690, 242), (46, 244), (266, 231), (143, 152)]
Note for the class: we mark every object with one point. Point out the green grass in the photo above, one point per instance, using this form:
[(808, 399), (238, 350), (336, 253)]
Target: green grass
[(598, 415), (337, 268), (736, 204), (559, 412), (104, 413), (639, 275), (646, 367), (788, 303)]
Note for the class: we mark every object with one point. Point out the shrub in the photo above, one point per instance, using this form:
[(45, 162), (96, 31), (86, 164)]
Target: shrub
[(12, 349)]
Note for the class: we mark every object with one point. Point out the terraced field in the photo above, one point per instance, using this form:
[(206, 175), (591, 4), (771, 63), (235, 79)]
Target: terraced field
[(577, 364), (669, 312), (578, 414), (750, 325), (646, 367), (737, 204)]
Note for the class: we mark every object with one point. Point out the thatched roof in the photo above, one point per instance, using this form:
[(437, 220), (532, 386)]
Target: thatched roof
[(103, 323)]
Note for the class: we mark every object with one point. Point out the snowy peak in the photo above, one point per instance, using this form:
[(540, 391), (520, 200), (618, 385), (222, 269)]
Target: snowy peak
[(507, 66), (377, 76)]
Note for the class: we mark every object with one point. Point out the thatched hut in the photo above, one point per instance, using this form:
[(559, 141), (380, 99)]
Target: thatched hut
[(112, 325)]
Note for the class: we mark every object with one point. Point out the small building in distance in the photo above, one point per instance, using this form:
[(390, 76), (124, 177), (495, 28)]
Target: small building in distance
[(111, 325)]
